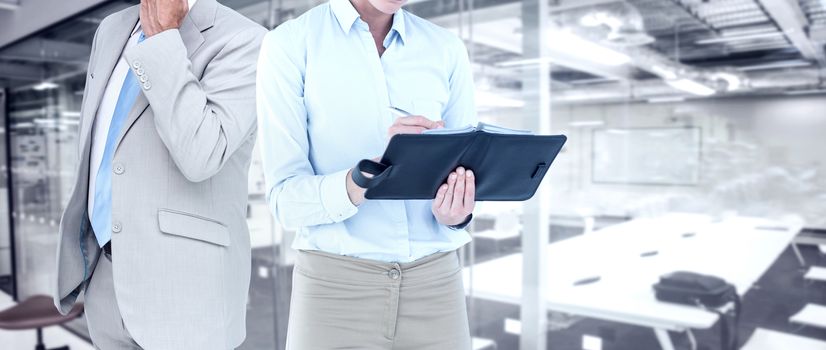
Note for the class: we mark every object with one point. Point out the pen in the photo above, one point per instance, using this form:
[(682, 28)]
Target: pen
[(399, 112)]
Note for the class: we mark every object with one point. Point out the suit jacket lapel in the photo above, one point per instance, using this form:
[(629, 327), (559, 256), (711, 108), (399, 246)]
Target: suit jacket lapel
[(109, 50), (200, 18)]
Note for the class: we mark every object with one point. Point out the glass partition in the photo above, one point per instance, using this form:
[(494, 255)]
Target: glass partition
[(7, 277)]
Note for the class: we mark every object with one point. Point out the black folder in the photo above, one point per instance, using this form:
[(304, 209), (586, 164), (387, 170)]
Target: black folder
[(507, 167)]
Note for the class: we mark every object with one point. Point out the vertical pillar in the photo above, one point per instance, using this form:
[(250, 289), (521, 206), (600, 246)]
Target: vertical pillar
[(536, 90)]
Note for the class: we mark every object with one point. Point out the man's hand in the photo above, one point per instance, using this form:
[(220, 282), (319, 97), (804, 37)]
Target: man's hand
[(455, 199), (160, 15), (413, 124)]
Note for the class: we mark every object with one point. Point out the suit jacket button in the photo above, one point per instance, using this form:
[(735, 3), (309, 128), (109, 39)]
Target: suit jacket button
[(136, 64), (147, 86), (116, 227), (119, 169)]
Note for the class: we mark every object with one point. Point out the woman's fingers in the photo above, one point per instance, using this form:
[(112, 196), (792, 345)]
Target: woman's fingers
[(455, 199), (470, 191), (440, 197), (404, 129), (417, 120), (451, 184), (458, 191)]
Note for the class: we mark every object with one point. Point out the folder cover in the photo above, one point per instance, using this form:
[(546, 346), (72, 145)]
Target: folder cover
[(508, 165)]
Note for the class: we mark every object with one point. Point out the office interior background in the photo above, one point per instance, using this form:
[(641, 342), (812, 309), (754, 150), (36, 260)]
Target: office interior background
[(696, 142)]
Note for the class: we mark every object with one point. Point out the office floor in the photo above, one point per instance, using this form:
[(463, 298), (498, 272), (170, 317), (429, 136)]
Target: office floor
[(779, 294), (53, 336)]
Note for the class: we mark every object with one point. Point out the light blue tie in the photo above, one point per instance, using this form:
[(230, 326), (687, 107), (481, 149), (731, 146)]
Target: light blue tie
[(102, 211)]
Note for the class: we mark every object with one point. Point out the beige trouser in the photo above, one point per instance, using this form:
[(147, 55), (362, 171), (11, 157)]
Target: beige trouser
[(348, 303)]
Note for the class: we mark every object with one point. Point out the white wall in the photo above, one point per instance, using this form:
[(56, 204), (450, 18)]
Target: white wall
[(760, 156)]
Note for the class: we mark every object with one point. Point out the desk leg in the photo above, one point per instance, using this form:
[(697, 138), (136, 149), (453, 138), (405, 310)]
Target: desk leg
[(691, 339), (664, 339), (799, 256)]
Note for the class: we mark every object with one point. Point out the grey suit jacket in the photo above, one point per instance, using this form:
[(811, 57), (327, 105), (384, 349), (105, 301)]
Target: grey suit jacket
[(181, 251)]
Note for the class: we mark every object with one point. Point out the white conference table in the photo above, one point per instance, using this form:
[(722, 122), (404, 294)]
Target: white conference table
[(737, 249)]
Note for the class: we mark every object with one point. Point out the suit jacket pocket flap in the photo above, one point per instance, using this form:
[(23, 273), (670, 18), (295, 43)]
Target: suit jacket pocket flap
[(194, 227)]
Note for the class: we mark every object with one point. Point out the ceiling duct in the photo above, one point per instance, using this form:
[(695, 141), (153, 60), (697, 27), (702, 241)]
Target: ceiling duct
[(779, 81), (617, 24), (719, 79), (620, 26)]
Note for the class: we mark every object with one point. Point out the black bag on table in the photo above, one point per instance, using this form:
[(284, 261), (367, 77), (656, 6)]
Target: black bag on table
[(708, 292)]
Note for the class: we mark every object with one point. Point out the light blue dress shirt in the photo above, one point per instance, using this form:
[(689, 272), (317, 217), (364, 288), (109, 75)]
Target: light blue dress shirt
[(323, 97)]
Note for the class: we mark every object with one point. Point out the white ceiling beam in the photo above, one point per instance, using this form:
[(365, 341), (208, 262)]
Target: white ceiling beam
[(792, 21)]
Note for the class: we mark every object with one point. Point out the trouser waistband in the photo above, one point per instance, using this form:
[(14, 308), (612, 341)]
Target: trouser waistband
[(343, 268)]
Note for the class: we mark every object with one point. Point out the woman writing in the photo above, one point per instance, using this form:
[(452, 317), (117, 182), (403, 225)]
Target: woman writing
[(369, 274)]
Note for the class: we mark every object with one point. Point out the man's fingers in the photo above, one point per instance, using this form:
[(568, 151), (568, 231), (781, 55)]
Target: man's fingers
[(152, 15), (143, 11), (459, 190), (470, 190), (417, 120)]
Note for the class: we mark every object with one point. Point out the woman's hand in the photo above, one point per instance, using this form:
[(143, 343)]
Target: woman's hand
[(412, 124), (455, 199)]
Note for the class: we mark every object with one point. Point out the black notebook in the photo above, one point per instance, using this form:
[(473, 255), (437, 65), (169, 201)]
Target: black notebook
[(508, 164)]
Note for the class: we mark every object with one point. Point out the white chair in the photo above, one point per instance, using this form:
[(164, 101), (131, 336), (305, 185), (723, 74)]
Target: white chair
[(764, 339), (483, 344), (815, 273), (812, 315)]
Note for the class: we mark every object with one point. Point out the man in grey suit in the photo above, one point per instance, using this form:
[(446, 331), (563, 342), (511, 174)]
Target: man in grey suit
[(155, 231)]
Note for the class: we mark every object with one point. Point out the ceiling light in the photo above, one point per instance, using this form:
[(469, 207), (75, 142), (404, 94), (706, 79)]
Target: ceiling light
[(728, 39), (45, 85), (566, 43), (805, 92), (7, 5), (777, 65), (667, 99), (585, 123), (664, 72), (588, 50), (70, 114), (691, 86), (592, 81)]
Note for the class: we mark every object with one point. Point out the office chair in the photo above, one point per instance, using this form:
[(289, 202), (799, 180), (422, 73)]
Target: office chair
[(37, 312)]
